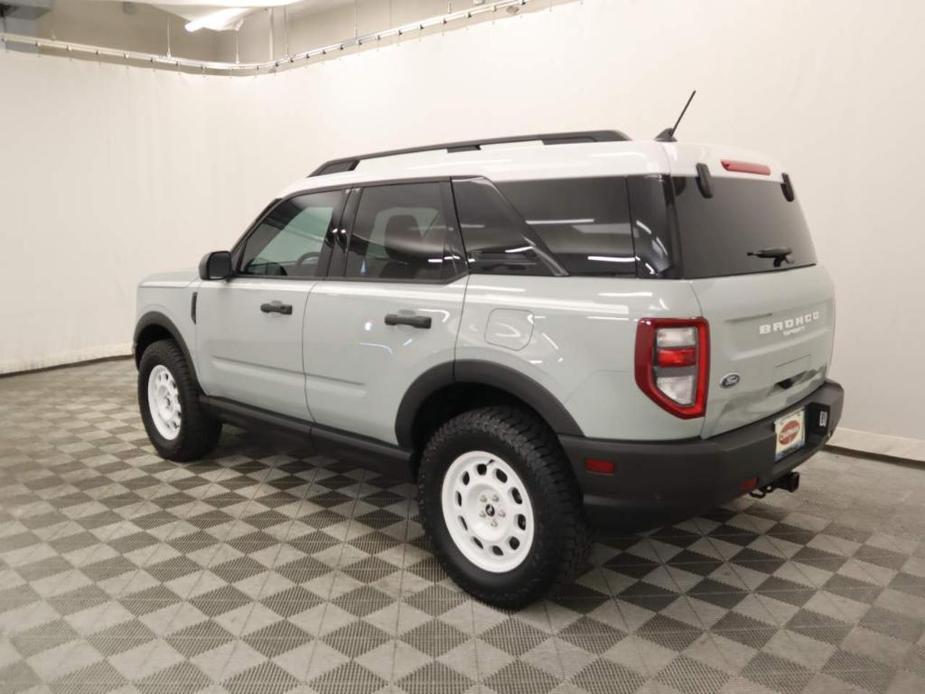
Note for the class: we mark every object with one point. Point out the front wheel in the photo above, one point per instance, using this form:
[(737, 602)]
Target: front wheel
[(501, 507), (168, 398)]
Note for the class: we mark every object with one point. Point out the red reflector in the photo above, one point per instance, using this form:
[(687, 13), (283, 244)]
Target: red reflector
[(746, 167), (602, 467), (678, 356), (748, 485)]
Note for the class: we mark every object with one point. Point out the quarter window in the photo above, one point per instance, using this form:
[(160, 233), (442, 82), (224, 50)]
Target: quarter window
[(584, 222), (496, 239), (289, 240), (400, 233)]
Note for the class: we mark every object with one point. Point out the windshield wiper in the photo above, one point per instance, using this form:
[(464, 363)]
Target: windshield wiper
[(779, 254)]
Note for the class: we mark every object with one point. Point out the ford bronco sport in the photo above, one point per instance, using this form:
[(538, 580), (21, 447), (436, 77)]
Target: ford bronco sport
[(547, 333)]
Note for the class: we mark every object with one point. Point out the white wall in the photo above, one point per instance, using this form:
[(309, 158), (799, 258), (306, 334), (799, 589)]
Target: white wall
[(112, 172)]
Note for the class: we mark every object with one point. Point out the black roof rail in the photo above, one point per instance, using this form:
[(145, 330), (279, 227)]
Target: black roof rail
[(350, 163)]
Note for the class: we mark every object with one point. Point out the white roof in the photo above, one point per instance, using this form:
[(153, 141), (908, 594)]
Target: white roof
[(533, 160)]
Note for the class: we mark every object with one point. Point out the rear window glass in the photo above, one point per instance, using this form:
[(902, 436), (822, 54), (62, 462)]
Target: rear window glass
[(720, 236), (583, 222)]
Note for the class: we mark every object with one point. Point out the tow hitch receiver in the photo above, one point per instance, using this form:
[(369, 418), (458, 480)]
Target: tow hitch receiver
[(790, 482)]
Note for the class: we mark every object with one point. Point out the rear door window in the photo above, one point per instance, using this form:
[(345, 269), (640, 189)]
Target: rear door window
[(720, 236), (400, 233)]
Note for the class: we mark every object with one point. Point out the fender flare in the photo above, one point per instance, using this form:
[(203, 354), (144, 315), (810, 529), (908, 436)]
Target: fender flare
[(156, 318), (486, 373)]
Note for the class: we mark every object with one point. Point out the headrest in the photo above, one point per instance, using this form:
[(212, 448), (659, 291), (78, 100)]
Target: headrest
[(403, 237)]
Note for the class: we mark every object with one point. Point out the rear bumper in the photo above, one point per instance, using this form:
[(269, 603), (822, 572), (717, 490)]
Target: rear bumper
[(655, 482)]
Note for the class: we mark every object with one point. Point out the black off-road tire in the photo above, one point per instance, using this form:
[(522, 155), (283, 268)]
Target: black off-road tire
[(561, 536), (199, 432)]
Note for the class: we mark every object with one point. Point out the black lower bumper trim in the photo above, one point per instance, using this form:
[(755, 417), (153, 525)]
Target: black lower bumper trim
[(656, 482)]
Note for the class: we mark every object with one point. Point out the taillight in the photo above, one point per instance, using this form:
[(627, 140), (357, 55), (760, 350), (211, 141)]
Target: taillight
[(672, 363)]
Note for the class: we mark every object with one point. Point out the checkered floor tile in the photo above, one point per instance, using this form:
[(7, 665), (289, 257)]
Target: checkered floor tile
[(269, 569)]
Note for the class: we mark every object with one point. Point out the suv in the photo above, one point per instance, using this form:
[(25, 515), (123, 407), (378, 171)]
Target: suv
[(547, 333)]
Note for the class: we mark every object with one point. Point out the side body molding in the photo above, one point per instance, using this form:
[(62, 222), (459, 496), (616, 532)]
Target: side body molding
[(485, 373)]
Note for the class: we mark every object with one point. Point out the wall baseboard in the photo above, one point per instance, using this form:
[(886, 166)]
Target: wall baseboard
[(65, 358), (878, 445)]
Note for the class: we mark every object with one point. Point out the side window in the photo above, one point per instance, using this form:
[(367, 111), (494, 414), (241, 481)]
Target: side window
[(584, 222), (289, 240), (496, 239), (399, 233)]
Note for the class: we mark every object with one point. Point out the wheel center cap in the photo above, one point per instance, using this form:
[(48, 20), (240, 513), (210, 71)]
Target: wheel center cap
[(490, 510)]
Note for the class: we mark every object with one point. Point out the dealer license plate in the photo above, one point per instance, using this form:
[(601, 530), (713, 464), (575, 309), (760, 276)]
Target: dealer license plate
[(789, 433)]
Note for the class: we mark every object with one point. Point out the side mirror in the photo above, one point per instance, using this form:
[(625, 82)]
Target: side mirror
[(215, 266)]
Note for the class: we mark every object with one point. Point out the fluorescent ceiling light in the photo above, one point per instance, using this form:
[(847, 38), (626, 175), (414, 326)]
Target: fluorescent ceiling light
[(220, 20)]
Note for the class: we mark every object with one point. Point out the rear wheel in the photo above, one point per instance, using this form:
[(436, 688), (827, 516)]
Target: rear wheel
[(168, 398), (500, 506)]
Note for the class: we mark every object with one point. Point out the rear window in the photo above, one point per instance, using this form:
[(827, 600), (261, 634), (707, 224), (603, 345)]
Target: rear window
[(717, 235), (584, 222)]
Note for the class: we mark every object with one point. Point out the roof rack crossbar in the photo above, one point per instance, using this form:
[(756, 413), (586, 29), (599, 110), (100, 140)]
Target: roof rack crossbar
[(350, 163)]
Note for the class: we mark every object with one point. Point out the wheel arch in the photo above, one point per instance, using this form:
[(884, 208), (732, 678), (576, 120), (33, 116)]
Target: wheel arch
[(447, 389), (154, 326)]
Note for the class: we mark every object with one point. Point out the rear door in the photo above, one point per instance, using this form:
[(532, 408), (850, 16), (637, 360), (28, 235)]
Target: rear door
[(749, 257), (390, 308), (249, 328)]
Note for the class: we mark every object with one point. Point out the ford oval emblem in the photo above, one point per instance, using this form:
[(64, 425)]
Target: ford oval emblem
[(730, 380)]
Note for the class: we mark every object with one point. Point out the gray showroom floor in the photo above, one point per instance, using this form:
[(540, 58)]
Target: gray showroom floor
[(265, 569)]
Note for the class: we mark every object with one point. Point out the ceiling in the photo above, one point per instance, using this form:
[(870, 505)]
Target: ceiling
[(224, 15)]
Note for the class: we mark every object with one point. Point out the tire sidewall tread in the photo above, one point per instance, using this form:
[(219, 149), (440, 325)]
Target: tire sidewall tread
[(560, 538), (199, 432)]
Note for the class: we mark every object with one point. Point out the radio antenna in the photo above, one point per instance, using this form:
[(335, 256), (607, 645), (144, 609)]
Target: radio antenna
[(667, 135)]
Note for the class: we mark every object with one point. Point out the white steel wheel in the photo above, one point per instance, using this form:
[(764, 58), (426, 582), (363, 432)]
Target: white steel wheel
[(164, 402), (487, 511)]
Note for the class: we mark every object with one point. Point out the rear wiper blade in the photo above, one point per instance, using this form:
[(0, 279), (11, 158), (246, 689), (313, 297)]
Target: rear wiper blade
[(779, 254)]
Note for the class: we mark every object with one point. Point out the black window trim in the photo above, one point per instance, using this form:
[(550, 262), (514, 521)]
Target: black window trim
[(675, 271)]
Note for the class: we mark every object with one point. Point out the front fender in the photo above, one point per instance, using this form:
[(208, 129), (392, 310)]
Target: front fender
[(156, 322)]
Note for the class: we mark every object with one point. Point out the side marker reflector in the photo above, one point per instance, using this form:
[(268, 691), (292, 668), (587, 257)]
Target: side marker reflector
[(601, 467)]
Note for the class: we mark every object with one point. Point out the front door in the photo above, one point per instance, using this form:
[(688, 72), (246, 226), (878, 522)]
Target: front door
[(389, 309), (249, 328)]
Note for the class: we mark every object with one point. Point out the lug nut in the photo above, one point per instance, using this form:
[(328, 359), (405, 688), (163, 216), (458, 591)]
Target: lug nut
[(481, 514), (483, 499), (494, 497), (494, 523)]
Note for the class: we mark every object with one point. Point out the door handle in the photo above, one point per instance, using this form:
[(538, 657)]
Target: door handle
[(277, 307), (422, 322)]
